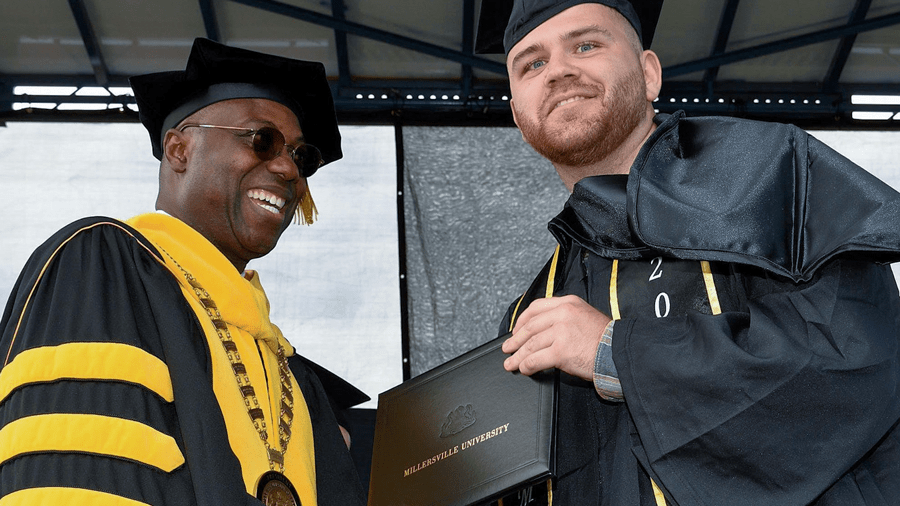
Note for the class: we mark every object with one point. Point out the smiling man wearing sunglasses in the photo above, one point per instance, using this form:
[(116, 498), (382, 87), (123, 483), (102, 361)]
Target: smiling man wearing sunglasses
[(139, 363)]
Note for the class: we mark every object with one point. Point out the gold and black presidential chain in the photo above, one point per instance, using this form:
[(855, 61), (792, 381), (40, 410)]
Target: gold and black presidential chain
[(257, 416)]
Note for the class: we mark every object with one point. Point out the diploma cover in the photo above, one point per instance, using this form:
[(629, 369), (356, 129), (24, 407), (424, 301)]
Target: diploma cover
[(466, 432)]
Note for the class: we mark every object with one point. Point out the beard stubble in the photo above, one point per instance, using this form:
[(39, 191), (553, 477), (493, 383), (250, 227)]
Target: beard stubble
[(576, 140)]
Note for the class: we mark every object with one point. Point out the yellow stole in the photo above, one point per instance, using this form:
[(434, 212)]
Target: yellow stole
[(245, 308)]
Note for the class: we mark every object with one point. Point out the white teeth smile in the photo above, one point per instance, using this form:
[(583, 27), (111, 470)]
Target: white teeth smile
[(267, 201), (568, 101)]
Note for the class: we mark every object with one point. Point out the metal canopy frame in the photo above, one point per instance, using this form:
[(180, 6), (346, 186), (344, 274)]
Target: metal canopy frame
[(471, 100)]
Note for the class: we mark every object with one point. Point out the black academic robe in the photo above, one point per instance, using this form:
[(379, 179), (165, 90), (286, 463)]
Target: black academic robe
[(106, 287), (780, 389)]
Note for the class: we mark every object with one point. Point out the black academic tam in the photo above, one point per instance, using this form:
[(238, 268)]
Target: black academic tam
[(216, 72)]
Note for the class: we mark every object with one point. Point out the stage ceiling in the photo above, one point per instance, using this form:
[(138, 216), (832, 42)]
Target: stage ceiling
[(407, 61)]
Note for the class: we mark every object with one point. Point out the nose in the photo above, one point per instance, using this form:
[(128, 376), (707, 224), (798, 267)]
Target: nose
[(283, 165), (561, 68)]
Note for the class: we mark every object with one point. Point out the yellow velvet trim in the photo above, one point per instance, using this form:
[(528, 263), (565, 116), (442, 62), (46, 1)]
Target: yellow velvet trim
[(548, 291), (658, 495), (551, 277), (52, 496), (515, 314), (710, 287), (98, 434), (88, 361), (614, 291)]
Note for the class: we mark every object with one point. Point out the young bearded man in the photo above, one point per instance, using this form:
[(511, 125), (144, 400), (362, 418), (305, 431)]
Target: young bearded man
[(721, 305)]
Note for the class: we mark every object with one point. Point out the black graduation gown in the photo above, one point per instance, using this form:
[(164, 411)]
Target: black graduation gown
[(105, 286), (786, 395)]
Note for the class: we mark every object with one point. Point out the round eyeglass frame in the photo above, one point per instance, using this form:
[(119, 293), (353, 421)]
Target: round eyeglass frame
[(268, 142)]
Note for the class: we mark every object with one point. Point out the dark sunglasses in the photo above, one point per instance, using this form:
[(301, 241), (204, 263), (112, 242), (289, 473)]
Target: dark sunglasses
[(268, 142)]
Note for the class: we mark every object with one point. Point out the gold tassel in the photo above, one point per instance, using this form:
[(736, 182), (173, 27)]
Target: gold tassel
[(306, 212)]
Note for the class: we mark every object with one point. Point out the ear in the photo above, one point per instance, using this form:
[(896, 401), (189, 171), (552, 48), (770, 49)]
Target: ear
[(175, 149), (512, 106), (652, 74)]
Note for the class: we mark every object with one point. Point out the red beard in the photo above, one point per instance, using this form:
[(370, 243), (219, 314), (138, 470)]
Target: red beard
[(576, 140)]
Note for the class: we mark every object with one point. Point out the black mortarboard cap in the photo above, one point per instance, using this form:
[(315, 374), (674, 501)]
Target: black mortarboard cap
[(503, 23), (216, 72)]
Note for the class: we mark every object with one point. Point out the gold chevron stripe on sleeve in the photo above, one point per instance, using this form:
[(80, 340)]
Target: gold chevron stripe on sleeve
[(101, 361), (97, 434), (66, 495)]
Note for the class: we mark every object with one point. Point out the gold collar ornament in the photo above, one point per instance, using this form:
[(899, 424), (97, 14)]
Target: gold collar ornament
[(274, 487)]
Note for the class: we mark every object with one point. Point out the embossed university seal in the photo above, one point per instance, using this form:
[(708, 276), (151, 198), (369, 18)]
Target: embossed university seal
[(457, 420)]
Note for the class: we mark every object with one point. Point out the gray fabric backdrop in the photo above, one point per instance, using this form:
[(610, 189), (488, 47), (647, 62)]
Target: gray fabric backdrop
[(477, 202)]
